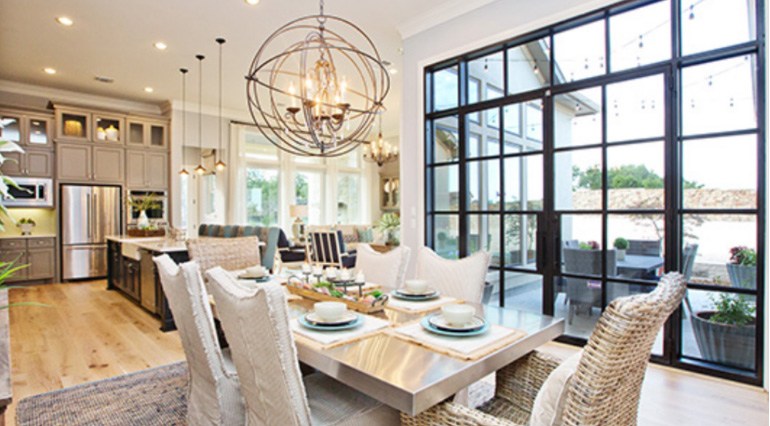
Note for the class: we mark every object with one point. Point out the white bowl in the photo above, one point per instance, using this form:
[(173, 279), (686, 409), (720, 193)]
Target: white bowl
[(256, 271), (416, 286), (458, 314), (330, 311)]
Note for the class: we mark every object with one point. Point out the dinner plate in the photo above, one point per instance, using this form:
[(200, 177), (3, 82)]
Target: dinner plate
[(305, 323), (414, 298), (441, 323), (426, 324), (262, 279), (409, 293), (315, 319)]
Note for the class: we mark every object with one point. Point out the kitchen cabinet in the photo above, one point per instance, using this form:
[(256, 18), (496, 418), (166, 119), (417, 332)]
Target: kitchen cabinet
[(147, 133), (37, 252), (108, 128), (31, 163), (73, 125), (27, 129), (131, 278), (146, 169), (86, 163)]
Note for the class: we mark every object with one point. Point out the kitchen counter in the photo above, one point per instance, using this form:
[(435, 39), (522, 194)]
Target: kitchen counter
[(153, 244), (7, 236)]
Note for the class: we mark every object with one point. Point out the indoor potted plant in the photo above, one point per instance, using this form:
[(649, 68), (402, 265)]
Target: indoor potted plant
[(142, 205), (727, 334), (621, 244), (26, 224), (389, 225), (742, 267)]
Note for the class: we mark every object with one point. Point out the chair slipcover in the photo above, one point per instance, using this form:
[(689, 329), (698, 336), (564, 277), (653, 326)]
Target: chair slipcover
[(256, 323), (229, 253), (386, 269), (463, 279), (214, 396)]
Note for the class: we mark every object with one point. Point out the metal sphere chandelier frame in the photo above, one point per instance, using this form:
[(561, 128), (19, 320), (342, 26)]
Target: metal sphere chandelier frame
[(320, 96)]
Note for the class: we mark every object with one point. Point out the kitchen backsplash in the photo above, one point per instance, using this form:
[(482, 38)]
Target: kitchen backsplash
[(45, 221)]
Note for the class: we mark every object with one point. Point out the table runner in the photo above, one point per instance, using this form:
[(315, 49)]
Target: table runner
[(418, 307), (330, 339), (469, 348)]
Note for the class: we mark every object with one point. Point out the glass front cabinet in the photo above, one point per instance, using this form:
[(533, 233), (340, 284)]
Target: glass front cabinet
[(148, 133), (26, 128)]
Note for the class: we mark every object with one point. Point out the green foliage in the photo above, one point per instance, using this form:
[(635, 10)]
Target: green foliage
[(5, 182), (25, 221), (620, 243), (588, 245), (389, 222), (742, 255), (259, 184), (147, 202), (733, 310), (7, 269), (625, 176)]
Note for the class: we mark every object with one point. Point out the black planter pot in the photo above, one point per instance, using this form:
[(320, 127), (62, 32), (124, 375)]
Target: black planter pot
[(726, 344)]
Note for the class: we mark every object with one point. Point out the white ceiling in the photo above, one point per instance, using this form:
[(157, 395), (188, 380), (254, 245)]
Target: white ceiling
[(115, 39)]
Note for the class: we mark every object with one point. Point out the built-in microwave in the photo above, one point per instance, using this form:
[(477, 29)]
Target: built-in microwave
[(156, 214), (32, 192)]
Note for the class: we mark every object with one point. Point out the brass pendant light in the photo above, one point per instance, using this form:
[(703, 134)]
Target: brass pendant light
[(184, 171), (200, 169), (220, 164)]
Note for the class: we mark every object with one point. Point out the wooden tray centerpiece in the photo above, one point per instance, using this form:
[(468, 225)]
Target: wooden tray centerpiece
[(370, 301)]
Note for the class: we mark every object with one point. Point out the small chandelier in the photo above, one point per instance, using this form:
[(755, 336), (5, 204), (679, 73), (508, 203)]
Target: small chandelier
[(318, 96), (380, 151)]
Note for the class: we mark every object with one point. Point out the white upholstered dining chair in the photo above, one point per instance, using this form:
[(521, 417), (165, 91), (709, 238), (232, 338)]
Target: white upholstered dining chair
[(214, 396), (462, 279), (256, 324), (386, 269)]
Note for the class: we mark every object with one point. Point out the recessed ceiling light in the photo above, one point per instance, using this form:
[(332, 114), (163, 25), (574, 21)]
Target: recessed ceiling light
[(49, 70), (149, 89), (67, 22), (160, 45), (252, 2)]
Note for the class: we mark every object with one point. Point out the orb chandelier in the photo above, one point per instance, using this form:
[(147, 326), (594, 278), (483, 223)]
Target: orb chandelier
[(320, 95), (380, 151)]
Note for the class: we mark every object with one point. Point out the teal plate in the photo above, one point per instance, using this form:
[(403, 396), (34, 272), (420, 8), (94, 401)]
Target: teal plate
[(264, 279), (305, 323), (402, 296), (430, 327)]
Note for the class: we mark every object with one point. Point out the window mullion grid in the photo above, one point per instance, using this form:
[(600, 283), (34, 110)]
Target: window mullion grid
[(501, 176), (462, 238)]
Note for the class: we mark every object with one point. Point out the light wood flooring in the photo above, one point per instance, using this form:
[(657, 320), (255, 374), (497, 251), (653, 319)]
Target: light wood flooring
[(89, 333)]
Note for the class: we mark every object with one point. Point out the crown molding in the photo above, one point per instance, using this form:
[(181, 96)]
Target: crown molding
[(438, 15)]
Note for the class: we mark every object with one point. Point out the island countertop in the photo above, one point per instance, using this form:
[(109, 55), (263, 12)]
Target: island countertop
[(153, 244)]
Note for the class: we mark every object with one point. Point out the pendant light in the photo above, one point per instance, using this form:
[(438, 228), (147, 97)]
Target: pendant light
[(184, 171), (200, 169), (220, 164)]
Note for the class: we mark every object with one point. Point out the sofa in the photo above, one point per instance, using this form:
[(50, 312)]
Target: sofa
[(274, 238)]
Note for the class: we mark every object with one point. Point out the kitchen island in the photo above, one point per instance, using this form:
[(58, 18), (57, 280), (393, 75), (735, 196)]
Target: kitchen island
[(131, 271)]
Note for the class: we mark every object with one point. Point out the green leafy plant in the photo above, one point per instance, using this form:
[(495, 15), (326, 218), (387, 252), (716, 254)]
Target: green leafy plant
[(620, 243), (389, 224), (733, 310), (7, 269), (588, 245), (742, 255), (147, 202), (26, 221)]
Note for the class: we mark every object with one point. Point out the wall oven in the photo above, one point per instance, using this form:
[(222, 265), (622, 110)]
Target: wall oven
[(156, 215), (32, 192)]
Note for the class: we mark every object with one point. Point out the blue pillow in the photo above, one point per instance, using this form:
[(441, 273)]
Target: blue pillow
[(365, 235)]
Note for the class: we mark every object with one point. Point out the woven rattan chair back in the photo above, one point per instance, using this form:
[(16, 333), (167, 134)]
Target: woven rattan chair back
[(229, 253), (606, 386)]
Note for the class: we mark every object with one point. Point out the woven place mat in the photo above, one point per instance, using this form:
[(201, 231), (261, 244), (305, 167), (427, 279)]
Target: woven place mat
[(331, 339), (418, 307), (469, 348)]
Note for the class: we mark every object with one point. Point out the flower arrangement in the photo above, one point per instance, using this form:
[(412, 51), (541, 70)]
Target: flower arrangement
[(589, 245), (742, 255)]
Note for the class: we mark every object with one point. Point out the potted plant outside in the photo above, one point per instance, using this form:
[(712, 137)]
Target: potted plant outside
[(727, 334), (621, 244), (26, 224), (742, 268)]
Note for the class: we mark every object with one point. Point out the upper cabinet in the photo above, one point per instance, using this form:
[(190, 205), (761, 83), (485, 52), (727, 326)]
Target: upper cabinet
[(108, 128), (73, 125), (147, 133), (27, 129)]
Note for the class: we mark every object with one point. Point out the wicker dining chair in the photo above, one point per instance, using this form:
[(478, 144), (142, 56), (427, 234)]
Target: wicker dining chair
[(229, 253), (606, 384)]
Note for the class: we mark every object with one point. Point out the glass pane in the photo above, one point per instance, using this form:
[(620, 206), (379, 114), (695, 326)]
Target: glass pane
[(484, 185), (711, 241), (262, 196), (578, 300), (524, 183), (641, 36), (523, 291), (580, 52), (446, 141), (74, 125), (577, 118), (521, 241), (578, 180), (492, 118), (157, 135), (616, 290), (446, 229), (489, 71), (446, 187), (38, 132), (720, 172), (712, 24), (10, 128), (257, 147), (484, 234), (349, 198), (107, 130), (581, 233), (136, 133), (483, 139), (445, 89), (637, 109), (720, 328), (512, 129), (350, 160), (309, 191), (635, 176), (719, 96), (635, 245), (534, 122), (528, 66)]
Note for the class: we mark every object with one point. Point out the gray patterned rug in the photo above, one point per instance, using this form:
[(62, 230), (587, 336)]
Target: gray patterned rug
[(157, 396)]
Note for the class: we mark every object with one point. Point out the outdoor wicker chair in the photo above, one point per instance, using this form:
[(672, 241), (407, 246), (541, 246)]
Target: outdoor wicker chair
[(229, 253), (605, 386)]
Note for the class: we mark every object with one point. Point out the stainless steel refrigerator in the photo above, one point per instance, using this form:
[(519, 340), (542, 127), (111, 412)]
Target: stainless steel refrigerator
[(89, 214)]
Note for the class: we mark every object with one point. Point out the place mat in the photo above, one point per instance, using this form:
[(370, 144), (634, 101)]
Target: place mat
[(418, 307), (330, 339), (470, 348)]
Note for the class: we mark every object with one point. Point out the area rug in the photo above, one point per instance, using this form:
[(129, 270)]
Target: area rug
[(157, 396)]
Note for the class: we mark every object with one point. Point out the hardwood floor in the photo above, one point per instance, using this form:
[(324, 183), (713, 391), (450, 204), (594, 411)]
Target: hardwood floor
[(89, 333)]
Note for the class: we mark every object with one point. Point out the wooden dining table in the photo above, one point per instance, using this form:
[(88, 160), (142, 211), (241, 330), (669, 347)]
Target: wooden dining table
[(412, 378)]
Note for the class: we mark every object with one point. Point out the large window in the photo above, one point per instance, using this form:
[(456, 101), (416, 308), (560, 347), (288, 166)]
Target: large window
[(592, 156), (262, 196)]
